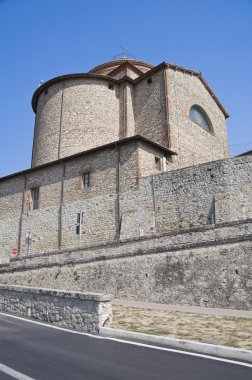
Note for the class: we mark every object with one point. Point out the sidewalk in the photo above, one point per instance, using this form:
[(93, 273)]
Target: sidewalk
[(185, 309)]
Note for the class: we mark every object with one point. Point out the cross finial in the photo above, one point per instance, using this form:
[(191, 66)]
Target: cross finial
[(124, 51), (124, 54)]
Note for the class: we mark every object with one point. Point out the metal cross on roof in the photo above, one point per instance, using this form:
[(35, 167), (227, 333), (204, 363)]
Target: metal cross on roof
[(124, 54)]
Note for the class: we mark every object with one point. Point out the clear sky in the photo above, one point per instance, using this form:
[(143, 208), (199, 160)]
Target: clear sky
[(41, 39)]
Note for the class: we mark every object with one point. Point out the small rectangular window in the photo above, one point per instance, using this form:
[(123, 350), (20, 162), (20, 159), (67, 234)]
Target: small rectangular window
[(35, 198), (158, 163), (149, 80), (111, 86), (86, 180)]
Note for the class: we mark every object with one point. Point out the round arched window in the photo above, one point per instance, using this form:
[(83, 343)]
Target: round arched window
[(199, 116)]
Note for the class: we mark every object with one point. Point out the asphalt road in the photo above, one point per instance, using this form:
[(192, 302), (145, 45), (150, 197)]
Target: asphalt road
[(41, 352)]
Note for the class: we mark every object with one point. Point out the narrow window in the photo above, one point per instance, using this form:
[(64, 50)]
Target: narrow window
[(149, 80), (86, 179), (35, 198), (111, 86), (158, 163)]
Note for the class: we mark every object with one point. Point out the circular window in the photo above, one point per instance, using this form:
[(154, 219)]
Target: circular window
[(199, 116)]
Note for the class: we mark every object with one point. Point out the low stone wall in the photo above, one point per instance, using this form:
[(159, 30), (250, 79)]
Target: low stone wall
[(75, 310)]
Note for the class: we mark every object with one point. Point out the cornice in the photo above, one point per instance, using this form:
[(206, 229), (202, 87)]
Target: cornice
[(163, 65), (98, 148)]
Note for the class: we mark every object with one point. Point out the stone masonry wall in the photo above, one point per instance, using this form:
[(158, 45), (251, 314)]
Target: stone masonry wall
[(75, 310), (208, 266), (120, 204), (78, 114), (193, 144), (74, 116), (62, 195), (150, 109), (47, 126)]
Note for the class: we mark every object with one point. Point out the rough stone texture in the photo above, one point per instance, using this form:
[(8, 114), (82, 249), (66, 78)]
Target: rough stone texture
[(150, 110), (192, 225), (149, 232), (113, 170), (193, 144), (127, 198), (79, 113), (74, 116), (76, 310), (47, 126), (208, 266)]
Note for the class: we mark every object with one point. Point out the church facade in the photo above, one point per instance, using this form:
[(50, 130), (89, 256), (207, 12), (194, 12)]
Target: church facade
[(131, 190)]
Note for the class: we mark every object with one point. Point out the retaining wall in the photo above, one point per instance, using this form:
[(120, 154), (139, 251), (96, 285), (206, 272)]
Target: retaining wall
[(209, 267), (75, 310)]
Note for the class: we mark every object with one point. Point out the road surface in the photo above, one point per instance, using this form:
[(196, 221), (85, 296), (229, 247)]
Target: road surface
[(36, 351)]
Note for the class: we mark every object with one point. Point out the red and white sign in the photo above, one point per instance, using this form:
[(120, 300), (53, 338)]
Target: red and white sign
[(14, 251)]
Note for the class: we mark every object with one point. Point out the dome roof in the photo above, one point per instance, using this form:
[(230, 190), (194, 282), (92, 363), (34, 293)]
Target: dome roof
[(121, 67)]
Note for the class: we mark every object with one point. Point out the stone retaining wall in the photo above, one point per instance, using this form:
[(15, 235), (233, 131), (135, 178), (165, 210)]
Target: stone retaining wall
[(208, 266), (75, 310)]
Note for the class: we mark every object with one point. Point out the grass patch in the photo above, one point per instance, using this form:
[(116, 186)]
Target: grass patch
[(226, 331)]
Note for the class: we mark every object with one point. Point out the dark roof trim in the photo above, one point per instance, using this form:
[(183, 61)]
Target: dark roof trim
[(109, 145), (248, 153), (41, 88), (141, 77), (184, 70)]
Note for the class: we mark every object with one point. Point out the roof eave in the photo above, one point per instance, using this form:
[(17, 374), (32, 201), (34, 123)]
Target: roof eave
[(101, 147)]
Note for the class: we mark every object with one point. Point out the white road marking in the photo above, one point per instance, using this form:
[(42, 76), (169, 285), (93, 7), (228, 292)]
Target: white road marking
[(13, 373), (130, 342)]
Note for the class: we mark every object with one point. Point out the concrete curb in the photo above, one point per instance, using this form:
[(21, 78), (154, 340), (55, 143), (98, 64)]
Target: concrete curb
[(184, 345)]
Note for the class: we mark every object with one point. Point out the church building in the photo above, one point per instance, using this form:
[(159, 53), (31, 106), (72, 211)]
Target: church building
[(128, 160)]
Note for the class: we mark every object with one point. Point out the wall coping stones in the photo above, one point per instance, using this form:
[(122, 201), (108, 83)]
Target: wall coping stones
[(81, 311), (132, 240), (228, 233), (88, 296)]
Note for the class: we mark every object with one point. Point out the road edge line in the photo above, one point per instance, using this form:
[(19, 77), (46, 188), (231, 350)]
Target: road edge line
[(14, 373), (180, 344), (148, 343)]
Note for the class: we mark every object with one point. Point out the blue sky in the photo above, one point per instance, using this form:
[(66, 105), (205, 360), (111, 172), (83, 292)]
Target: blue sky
[(41, 39)]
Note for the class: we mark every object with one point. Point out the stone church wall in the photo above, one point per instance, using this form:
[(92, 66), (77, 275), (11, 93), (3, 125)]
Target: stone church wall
[(150, 108), (78, 113), (193, 144), (74, 116), (113, 170), (120, 204)]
